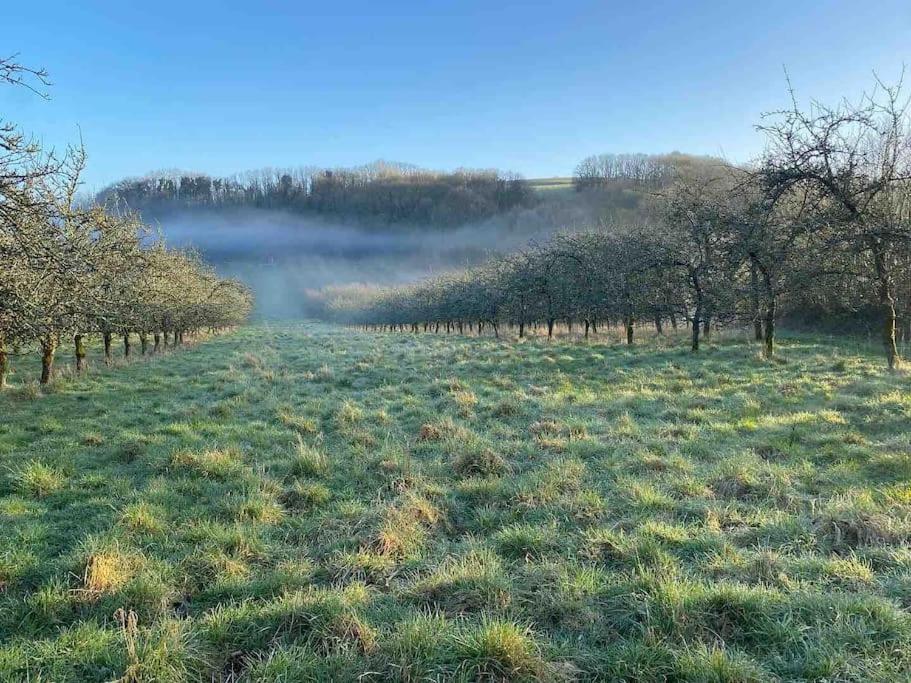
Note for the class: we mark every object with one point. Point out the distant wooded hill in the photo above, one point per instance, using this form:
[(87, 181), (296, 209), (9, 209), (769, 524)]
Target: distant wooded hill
[(379, 192), (395, 193)]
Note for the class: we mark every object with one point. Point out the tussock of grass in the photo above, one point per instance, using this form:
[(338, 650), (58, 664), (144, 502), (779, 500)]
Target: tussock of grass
[(479, 461), (399, 534), (108, 570), (305, 495), (502, 650), (444, 429), (205, 568), (163, 652), (473, 583), (260, 507), (464, 400), (92, 439), (524, 541), (348, 415), (143, 517), (853, 521), (302, 425), (556, 436), (328, 620), (308, 461), (36, 478), (322, 374), (477, 491), (363, 565), (28, 391), (508, 407), (741, 484), (420, 647), (420, 509), (131, 449)]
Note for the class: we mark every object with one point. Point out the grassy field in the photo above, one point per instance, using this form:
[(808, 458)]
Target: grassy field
[(548, 187), (304, 503)]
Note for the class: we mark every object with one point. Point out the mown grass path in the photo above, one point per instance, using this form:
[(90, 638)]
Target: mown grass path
[(307, 503)]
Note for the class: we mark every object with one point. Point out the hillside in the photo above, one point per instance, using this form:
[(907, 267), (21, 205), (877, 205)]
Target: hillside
[(390, 225), (307, 503), (376, 194), (384, 194)]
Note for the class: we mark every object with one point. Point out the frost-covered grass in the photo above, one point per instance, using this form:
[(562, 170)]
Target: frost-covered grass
[(310, 503)]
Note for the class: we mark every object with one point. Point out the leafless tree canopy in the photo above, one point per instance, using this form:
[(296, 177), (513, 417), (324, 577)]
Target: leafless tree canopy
[(69, 271), (820, 225)]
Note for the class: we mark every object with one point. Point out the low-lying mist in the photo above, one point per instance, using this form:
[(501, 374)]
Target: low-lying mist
[(281, 255)]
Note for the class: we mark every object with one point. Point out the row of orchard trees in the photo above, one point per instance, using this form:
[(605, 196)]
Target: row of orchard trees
[(68, 271), (822, 221)]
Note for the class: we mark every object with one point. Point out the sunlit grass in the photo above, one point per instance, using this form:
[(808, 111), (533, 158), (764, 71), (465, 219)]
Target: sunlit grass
[(311, 503)]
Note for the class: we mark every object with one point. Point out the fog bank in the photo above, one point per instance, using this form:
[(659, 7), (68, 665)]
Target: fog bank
[(281, 255)]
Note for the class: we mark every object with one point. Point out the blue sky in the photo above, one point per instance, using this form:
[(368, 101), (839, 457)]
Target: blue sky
[(531, 87)]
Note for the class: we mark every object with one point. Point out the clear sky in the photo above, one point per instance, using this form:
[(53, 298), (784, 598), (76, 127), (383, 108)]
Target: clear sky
[(526, 86)]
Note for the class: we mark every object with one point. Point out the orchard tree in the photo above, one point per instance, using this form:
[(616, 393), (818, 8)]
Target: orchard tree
[(694, 236), (856, 159)]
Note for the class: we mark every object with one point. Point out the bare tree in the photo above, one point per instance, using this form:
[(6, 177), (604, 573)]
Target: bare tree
[(695, 237), (856, 158)]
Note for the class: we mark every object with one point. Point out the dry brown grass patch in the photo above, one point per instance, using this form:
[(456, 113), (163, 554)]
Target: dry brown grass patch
[(109, 570)]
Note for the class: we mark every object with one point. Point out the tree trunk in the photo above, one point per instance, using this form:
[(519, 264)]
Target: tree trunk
[(768, 348), (658, 327), (48, 349), (143, 343), (889, 317), (887, 304), (156, 342), (4, 363), (674, 321), (496, 330), (769, 339), (707, 326), (107, 348), (79, 350), (629, 330), (594, 326), (754, 293), (521, 329), (126, 346), (696, 315), (587, 324), (550, 328)]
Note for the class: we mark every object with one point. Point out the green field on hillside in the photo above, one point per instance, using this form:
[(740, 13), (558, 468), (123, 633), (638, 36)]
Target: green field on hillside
[(303, 502), (550, 187), (546, 183)]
